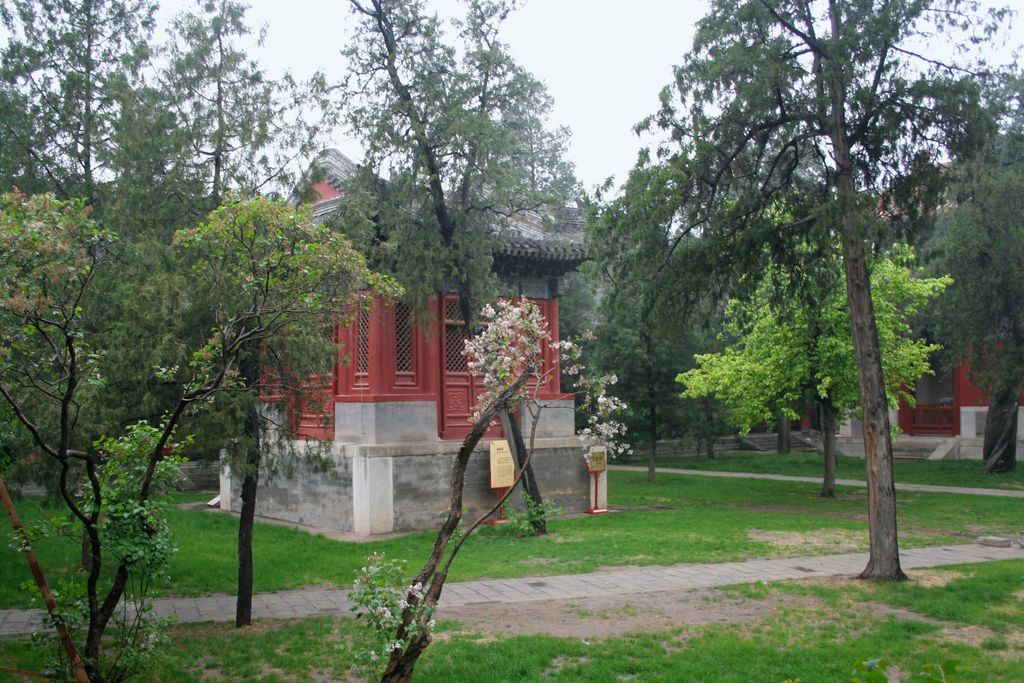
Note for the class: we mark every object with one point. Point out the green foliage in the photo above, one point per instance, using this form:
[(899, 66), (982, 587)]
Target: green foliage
[(940, 672), (135, 530), (645, 359), (267, 279), (459, 131), (832, 110), (981, 245), (768, 90), (980, 242), (652, 315), (381, 595), (240, 130), (135, 534), (63, 65), (273, 283), (779, 359), (259, 257), (524, 523), (49, 253)]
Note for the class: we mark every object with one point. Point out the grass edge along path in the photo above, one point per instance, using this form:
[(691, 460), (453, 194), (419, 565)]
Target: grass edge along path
[(853, 483), (626, 581), (967, 473), (696, 519), (817, 636)]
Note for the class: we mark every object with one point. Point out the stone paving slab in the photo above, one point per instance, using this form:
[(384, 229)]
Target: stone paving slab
[(619, 581), (856, 483)]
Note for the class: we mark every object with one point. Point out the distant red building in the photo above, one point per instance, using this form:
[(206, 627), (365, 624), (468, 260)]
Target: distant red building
[(948, 404), (401, 397), (406, 367)]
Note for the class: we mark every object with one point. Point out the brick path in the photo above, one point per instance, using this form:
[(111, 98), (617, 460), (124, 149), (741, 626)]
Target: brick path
[(304, 603), (1005, 493)]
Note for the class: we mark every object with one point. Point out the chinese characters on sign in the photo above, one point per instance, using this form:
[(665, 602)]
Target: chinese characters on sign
[(503, 467)]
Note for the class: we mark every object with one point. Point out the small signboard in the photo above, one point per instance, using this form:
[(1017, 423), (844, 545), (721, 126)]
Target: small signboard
[(503, 466), (597, 461)]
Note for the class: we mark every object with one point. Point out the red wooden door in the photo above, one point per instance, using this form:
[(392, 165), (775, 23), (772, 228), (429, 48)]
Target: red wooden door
[(460, 389)]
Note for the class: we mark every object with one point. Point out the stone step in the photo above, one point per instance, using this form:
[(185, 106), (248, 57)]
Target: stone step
[(799, 442), (917, 448)]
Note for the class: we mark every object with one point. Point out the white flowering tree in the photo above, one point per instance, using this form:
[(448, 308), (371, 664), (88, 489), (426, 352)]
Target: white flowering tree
[(507, 354)]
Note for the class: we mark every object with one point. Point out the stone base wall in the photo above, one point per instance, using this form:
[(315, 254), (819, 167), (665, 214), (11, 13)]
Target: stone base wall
[(385, 422), (198, 475), (312, 488), (557, 419), (972, 422), (377, 489), (422, 482)]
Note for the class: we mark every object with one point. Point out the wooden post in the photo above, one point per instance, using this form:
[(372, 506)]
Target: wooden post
[(44, 588)]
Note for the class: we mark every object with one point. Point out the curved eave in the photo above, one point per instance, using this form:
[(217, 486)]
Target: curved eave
[(515, 258)]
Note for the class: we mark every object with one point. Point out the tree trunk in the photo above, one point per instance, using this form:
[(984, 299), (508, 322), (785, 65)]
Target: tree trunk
[(707, 427), (86, 552), (652, 455), (652, 397), (250, 483), (828, 440), (402, 662), (44, 589), (884, 560), (511, 426), (652, 460), (243, 604), (783, 444), (1000, 447)]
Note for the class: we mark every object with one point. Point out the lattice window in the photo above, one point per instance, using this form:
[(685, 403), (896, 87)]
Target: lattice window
[(362, 346), (403, 338), (454, 337), (452, 311), (454, 344)]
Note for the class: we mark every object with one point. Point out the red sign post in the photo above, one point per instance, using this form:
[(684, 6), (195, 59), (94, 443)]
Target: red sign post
[(597, 465)]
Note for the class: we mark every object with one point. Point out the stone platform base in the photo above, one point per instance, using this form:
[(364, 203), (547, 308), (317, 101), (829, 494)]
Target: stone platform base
[(379, 489), (923, 447)]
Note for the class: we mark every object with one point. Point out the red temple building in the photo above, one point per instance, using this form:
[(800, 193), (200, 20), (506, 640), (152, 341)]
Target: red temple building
[(951, 405), (401, 398), (947, 422)]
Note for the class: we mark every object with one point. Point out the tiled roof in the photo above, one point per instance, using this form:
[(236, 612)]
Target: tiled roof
[(531, 236)]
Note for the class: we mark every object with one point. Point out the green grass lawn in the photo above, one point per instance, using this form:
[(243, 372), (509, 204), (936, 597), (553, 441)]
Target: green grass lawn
[(939, 472), (814, 632), (700, 519)]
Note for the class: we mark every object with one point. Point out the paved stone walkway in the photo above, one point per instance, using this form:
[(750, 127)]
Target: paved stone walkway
[(1004, 493), (625, 581)]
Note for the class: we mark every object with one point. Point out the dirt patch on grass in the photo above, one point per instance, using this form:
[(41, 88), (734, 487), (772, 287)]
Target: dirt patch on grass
[(811, 542), (880, 609), (561, 663), (207, 630), (935, 579), (605, 616)]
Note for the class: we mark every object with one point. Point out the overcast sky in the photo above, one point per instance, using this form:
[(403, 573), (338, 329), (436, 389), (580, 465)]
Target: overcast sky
[(603, 61)]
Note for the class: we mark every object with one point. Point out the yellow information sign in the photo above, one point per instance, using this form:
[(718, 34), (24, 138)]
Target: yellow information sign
[(597, 461), (503, 466)]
